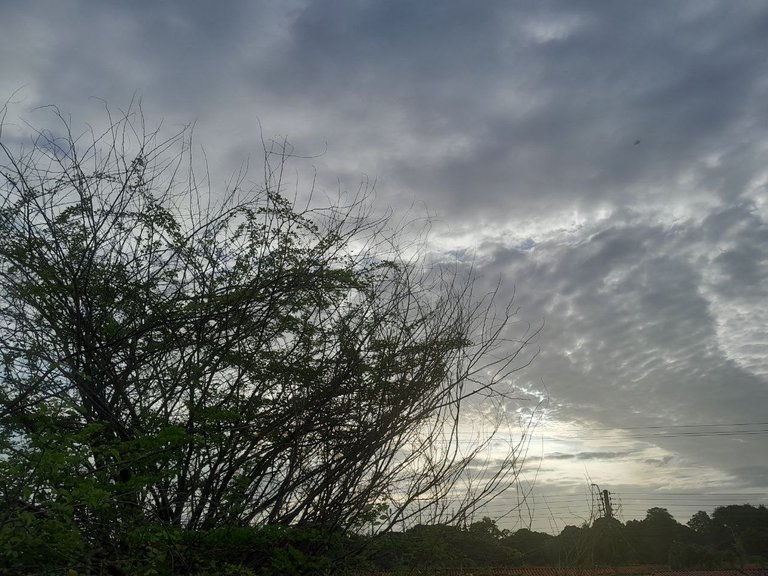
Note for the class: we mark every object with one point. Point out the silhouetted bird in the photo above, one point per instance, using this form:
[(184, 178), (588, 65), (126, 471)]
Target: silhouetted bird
[(637, 142)]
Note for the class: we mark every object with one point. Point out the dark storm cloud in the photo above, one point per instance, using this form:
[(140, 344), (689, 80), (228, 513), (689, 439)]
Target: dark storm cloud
[(539, 118), (605, 158), (489, 112)]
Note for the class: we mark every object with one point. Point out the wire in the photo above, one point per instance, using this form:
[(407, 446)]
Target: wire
[(715, 431), (656, 427), (719, 494), (678, 435)]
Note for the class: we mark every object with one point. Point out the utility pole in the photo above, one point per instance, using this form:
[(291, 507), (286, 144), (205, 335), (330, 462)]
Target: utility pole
[(607, 504), (604, 506)]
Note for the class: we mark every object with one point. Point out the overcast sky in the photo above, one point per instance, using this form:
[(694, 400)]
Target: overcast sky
[(607, 159)]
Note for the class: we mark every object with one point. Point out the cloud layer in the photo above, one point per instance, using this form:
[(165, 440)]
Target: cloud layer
[(606, 159)]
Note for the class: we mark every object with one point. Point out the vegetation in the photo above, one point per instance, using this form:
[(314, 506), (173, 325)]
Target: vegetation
[(732, 536), (222, 381)]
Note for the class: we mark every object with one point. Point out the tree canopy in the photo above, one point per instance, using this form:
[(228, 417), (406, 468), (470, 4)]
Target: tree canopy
[(176, 358)]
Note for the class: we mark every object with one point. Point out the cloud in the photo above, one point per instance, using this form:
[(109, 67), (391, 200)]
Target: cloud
[(659, 461), (513, 125), (601, 455), (588, 456), (561, 456)]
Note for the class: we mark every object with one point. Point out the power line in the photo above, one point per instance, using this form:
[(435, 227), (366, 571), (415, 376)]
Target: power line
[(671, 498), (679, 435), (714, 431), (659, 426)]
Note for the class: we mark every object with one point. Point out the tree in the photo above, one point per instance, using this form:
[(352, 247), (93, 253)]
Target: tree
[(609, 544), (701, 523), (191, 360), (534, 547), (743, 528), (655, 535), (486, 528)]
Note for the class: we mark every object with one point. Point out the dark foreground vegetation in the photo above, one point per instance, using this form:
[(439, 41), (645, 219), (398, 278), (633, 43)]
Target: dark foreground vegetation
[(732, 537)]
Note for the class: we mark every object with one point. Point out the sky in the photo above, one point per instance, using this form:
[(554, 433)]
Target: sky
[(605, 160)]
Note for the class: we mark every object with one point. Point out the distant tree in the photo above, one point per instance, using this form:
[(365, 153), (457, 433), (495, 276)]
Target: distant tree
[(438, 546), (178, 358), (534, 547), (744, 528), (609, 542), (572, 547), (486, 528), (701, 523), (429, 547), (705, 533), (654, 536), (659, 517)]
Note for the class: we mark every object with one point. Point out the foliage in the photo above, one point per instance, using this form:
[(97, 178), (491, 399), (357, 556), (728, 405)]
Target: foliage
[(177, 363), (689, 555), (486, 529), (604, 542), (654, 536), (701, 523), (743, 527), (535, 547), (440, 547)]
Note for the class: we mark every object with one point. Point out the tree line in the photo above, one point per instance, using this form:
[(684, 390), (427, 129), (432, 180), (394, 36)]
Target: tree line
[(731, 537)]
